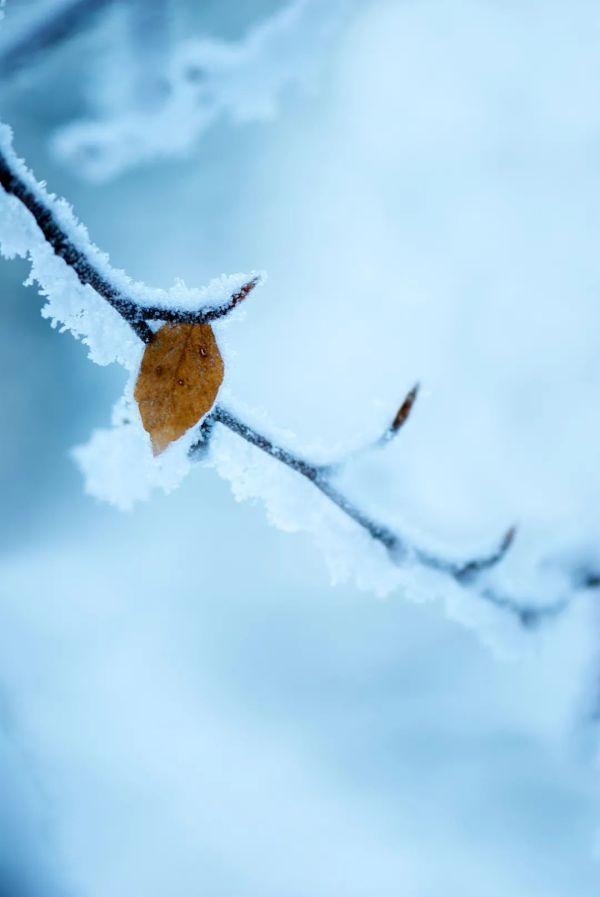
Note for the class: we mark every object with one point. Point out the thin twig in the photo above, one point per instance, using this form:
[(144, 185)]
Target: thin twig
[(397, 546), (202, 317)]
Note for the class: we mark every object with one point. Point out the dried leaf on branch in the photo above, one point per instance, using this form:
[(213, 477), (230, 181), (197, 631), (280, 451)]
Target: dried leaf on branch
[(179, 379)]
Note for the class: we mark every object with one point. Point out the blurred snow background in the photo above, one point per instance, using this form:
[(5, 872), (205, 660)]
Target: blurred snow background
[(186, 705)]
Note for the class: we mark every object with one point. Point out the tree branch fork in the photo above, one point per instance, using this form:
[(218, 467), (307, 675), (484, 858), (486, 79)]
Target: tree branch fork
[(399, 549)]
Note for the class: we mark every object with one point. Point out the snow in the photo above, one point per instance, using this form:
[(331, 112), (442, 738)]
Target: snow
[(182, 681)]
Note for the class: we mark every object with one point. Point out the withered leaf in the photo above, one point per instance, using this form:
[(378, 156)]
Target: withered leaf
[(179, 379)]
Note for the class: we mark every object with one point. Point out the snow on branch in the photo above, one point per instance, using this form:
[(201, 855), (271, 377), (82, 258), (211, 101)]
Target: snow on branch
[(60, 236), (113, 315), (204, 79)]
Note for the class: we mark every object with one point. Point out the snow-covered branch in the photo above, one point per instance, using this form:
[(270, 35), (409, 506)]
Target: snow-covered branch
[(74, 276), (136, 313)]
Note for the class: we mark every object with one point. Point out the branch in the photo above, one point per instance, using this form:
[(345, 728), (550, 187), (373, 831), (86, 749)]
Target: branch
[(198, 317), (59, 25), (399, 548), (134, 313)]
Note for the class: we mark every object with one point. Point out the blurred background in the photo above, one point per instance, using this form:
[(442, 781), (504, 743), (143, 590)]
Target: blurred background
[(187, 704)]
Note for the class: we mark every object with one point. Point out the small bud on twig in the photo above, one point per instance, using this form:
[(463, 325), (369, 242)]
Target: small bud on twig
[(402, 415)]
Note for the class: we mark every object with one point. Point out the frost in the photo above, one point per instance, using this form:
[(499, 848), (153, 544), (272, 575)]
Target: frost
[(119, 468), (293, 505), (78, 308), (117, 463), (206, 80)]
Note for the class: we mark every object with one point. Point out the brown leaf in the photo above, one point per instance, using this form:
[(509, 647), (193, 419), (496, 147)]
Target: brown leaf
[(179, 379)]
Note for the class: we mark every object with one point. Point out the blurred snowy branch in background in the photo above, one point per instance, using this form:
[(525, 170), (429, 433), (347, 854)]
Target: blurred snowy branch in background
[(44, 30), (156, 102)]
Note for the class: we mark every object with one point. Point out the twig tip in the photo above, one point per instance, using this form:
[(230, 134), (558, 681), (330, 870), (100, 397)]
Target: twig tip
[(508, 538), (404, 409)]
